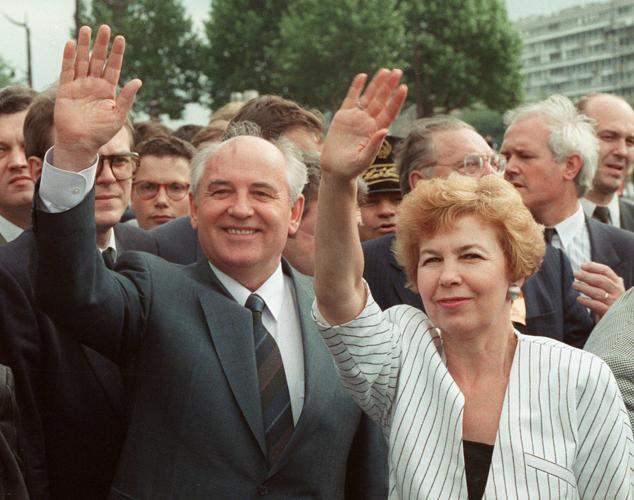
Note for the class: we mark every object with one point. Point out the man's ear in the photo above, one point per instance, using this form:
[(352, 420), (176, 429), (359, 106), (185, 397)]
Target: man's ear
[(35, 167), (297, 210), (572, 167), (193, 211), (413, 177)]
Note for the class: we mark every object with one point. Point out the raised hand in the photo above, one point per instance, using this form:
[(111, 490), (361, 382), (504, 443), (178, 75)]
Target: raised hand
[(360, 125), (88, 112)]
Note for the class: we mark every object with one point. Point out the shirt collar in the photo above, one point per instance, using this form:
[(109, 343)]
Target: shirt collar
[(568, 228), (271, 291), (112, 243), (9, 230)]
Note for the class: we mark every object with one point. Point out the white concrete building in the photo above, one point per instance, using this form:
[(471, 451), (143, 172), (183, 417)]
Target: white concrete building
[(579, 50)]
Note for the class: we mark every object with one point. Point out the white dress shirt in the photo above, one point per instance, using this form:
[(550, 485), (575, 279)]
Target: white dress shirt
[(613, 208), (281, 319), (9, 230), (573, 238), (563, 432)]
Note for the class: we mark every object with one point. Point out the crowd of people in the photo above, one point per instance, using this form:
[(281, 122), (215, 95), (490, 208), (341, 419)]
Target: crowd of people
[(263, 307)]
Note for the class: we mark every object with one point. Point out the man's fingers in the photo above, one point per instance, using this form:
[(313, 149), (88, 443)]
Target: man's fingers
[(602, 279), (371, 149), (354, 91), (82, 52), (67, 74), (597, 307), (112, 70), (127, 95), (99, 52)]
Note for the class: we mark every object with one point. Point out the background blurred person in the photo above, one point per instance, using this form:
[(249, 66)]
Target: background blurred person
[(613, 120), (16, 183), (161, 181), (379, 206)]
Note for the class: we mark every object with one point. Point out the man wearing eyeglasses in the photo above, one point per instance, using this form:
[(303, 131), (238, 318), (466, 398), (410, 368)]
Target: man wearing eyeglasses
[(161, 182), (438, 147)]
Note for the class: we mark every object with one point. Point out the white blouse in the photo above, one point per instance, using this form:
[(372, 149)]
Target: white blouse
[(563, 433)]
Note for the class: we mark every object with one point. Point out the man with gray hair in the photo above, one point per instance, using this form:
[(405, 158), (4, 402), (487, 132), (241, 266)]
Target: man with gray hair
[(235, 394), (551, 151), (437, 147)]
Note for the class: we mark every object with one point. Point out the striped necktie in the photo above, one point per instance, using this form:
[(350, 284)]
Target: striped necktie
[(274, 395), (549, 232)]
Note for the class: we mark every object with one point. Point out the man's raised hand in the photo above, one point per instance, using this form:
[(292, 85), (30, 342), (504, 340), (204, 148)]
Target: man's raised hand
[(360, 125), (88, 112)]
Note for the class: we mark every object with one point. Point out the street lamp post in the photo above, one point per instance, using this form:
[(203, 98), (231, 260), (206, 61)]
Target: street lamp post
[(29, 73)]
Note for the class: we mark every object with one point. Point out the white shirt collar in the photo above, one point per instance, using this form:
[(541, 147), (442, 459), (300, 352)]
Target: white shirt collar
[(568, 228), (271, 291), (613, 207), (9, 230), (112, 243)]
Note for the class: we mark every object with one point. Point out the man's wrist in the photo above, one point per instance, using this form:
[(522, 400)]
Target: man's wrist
[(72, 158)]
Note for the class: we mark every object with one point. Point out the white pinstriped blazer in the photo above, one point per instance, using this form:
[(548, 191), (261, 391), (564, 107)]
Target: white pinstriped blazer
[(563, 433)]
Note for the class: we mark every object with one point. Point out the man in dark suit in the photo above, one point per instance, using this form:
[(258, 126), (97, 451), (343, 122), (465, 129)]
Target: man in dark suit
[(16, 186), (71, 397), (187, 335), (552, 153), (613, 120), (437, 147)]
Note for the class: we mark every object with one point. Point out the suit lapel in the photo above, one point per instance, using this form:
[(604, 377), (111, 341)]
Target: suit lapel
[(601, 249), (627, 215), (231, 330), (3, 241)]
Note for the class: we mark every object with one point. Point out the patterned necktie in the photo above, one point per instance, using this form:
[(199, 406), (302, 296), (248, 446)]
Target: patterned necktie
[(275, 399), (108, 256), (549, 232), (602, 214)]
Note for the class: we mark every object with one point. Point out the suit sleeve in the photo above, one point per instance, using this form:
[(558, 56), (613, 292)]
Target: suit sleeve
[(100, 308)]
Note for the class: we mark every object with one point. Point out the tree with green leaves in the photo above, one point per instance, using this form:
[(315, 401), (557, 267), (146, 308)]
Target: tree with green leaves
[(323, 43), (162, 49), (7, 74), (461, 52), (237, 56)]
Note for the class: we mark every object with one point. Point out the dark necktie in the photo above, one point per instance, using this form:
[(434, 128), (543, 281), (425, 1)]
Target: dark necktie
[(549, 232), (602, 214), (276, 401), (108, 256)]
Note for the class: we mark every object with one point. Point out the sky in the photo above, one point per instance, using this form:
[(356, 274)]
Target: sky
[(50, 22)]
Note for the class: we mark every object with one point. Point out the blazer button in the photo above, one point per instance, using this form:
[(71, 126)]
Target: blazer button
[(263, 490)]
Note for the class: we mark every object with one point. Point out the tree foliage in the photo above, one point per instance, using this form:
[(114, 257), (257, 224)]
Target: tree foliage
[(460, 52), (323, 43), (7, 74), (239, 34), (162, 49)]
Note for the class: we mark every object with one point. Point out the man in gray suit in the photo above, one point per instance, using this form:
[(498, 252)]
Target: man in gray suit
[(613, 120), (234, 393), (613, 341)]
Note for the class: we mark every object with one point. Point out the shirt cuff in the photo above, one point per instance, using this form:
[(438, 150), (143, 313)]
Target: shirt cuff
[(61, 190)]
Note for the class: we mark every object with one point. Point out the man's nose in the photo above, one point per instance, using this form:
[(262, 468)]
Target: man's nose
[(17, 158), (161, 199), (241, 207), (106, 176)]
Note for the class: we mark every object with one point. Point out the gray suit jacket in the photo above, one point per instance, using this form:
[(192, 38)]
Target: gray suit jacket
[(187, 349), (613, 247), (626, 209), (613, 341)]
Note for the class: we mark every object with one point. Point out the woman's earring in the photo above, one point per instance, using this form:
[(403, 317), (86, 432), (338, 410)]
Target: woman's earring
[(513, 293)]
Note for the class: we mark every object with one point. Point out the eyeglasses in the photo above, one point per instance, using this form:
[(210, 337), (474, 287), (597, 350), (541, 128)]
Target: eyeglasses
[(473, 164), (147, 190), (121, 164)]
